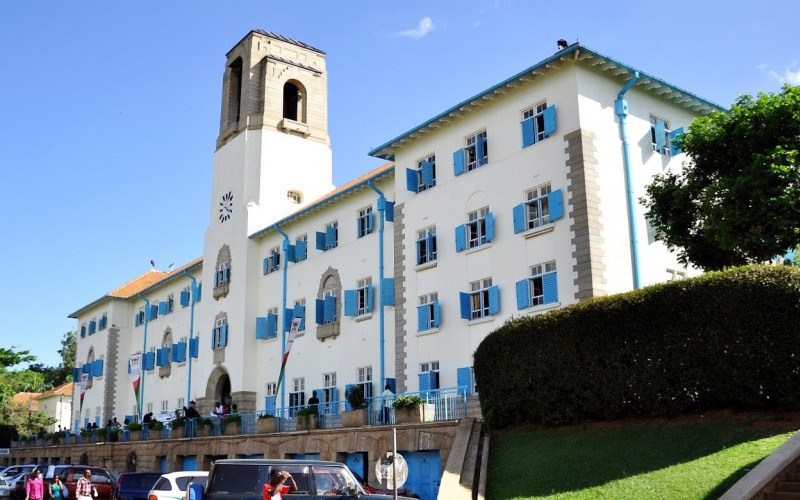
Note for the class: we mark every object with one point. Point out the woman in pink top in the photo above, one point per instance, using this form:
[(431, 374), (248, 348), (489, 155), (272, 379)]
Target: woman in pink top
[(34, 487)]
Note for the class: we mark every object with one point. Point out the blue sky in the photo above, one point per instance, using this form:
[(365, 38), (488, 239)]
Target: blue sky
[(110, 110)]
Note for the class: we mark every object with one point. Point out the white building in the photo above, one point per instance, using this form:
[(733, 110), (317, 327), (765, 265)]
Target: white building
[(511, 202)]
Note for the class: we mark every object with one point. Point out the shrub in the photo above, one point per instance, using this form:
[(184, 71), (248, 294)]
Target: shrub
[(307, 410), (723, 340), (232, 419), (134, 426), (355, 397), (204, 422), (408, 401), (155, 425)]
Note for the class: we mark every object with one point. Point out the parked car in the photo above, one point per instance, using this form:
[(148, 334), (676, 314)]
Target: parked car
[(316, 480), (172, 486), (17, 484), (10, 484), (103, 479), (5, 488), (134, 485), (17, 469)]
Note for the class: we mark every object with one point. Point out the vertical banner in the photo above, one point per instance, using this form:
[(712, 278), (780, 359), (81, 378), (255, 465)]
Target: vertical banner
[(84, 383), (135, 363), (289, 341)]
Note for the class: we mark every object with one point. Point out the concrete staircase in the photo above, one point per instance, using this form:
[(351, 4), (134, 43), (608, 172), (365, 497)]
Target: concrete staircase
[(464, 475)]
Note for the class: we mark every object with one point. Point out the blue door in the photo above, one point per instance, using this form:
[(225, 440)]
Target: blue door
[(163, 465), (357, 462), (424, 473), (189, 462)]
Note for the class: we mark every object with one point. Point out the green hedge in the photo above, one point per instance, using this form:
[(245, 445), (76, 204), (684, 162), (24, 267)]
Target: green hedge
[(727, 339)]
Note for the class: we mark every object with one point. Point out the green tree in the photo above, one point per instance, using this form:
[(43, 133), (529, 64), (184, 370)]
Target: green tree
[(9, 357), (737, 199)]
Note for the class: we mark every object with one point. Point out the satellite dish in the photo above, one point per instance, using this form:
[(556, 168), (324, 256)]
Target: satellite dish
[(391, 470)]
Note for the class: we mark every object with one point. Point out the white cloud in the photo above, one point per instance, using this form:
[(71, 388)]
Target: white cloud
[(790, 75), (424, 27)]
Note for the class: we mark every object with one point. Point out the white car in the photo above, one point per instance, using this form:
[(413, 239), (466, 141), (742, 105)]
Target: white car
[(9, 483), (5, 488), (172, 486)]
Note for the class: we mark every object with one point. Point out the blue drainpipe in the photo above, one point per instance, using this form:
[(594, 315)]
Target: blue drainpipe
[(382, 215), (621, 109), (144, 350), (285, 248), (191, 334)]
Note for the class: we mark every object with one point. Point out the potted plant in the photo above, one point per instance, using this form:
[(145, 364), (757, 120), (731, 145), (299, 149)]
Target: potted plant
[(307, 418), (266, 423), (203, 426), (135, 428), (154, 429), (232, 424), (356, 416), (112, 434), (410, 409)]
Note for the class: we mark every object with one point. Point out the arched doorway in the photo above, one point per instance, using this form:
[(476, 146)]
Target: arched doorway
[(223, 392), (218, 389)]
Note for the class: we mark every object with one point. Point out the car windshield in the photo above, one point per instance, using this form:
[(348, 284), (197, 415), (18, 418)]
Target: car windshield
[(162, 485), (140, 481)]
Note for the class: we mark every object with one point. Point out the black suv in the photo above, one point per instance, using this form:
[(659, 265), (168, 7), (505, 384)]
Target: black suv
[(243, 479)]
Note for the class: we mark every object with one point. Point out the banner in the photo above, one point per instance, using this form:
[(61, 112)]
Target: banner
[(135, 363), (84, 383), (289, 341)]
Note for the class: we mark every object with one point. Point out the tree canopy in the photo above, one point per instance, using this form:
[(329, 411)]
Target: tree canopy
[(737, 198)]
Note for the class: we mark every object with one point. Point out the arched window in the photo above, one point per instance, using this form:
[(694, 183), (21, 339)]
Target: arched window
[(294, 102), (294, 196), (234, 90)]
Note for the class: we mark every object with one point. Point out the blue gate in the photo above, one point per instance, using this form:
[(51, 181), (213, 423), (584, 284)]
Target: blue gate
[(189, 462), (424, 473), (357, 462)]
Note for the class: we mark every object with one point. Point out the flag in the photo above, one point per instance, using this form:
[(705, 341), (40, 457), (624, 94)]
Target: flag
[(84, 382), (289, 341), (135, 363)]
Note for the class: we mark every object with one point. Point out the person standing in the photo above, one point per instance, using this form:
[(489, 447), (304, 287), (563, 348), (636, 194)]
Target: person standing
[(84, 488), (314, 401), (58, 490), (388, 401), (34, 487)]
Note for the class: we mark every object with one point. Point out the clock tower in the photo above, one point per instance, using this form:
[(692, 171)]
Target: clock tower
[(272, 158)]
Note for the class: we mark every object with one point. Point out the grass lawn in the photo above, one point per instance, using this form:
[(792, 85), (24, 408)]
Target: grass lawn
[(682, 458)]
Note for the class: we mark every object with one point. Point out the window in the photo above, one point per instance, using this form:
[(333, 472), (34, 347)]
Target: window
[(272, 262), (186, 295), (223, 274), (272, 388), (478, 230), (181, 402), (423, 177), (429, 366), (164, 405), (541, 288), (359, 301), (300, 248), (542, 206), (297, 397), (300, 312), (92, 326), (365, 221), (661, 136), (137, 320), (674, 274), (149, 408), (477, 151), (267, 326), (329, 392), (330, 238), (364, 374), (428, 375), (219, 335), (428, 312), (271, 396), (170, 303), (538, 123), (481, 301), (103, 322), (294, 197), (426, 245)]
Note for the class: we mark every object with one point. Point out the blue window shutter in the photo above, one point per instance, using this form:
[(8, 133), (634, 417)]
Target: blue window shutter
[(550, 288), (223, 335), (350, 301), (370, 297), (148, 360), (301, 250), (494, 300), (461, 238), (103, 322), (197, 292), (290, 252), (489, 227), (330, 237), (389, 214), (427, 173), (431, 240), (330, 308), (672, 136), (300, 312), (466, 306), (459, 162), (265, 266), (194, 347), (423, 319), (175, 355), (550, 124), (213, 338), (261, 328), (528, 135), (346, 390), (555, 201), (162, 308), (480, 150), (370, 221), (182, 352), (334, 398), (184, 298), (153, 312), (464, 378), (269, 405), (661, 139), (425, 380), (387, 292), (83, 331), (419, 252), (98, 368), (92, 327), (320, 241), (288, 314), (519, 218), (437, 314), (76, 374), (272, 326), (411, 180), (523, 294), (320, 316), (87, 368)]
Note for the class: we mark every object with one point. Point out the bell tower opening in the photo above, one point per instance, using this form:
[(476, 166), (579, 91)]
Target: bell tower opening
[(235, 91), (293, 102)]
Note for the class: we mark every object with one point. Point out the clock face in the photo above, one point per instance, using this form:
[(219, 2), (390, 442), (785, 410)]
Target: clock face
[(226, 207)]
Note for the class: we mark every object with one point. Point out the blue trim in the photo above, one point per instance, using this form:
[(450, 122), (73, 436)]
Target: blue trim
[(386, 150)]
